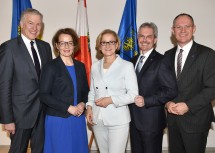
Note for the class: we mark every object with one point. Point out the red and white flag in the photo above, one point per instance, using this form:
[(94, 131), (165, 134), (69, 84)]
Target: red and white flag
[(82, 30)]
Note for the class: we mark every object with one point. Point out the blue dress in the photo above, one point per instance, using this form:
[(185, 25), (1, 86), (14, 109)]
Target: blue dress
[(66, 135)]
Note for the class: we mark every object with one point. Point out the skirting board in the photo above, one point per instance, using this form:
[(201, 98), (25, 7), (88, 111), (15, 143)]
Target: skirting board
[(208, 149)]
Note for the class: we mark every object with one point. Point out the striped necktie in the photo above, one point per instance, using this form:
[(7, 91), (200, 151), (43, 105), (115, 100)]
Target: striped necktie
[(140, 63), (179, 63)]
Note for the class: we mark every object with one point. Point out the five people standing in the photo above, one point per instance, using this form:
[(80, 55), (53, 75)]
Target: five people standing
[(183, 80)]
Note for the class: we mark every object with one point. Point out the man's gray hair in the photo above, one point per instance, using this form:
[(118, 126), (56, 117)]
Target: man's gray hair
[(30, 11), (150, 25)]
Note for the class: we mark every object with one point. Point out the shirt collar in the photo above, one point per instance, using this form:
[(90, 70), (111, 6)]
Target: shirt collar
[(147, 53), (186, 48), (26, 40)]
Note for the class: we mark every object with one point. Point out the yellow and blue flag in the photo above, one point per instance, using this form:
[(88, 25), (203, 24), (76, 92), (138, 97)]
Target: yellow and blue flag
[(128, 31), (18, 7)]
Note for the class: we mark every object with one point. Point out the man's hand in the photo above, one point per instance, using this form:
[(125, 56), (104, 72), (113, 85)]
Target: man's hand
[(139, 101), (10, 128), (179, 108), (170, 105)]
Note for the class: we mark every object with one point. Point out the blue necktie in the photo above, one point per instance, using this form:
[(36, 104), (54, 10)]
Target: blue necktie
[(140, 63)]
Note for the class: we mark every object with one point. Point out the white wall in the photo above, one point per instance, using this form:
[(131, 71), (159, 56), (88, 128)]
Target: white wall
[(107, 14)]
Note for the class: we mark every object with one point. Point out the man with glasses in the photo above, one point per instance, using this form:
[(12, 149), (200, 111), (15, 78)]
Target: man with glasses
[(190, 114), (157, 85), (21, 61)]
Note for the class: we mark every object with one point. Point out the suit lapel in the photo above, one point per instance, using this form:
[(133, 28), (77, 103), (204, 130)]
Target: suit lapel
[(41, 52), (101, 72), (78, 72), (193, 53), (113, 66), (134, 60), (65, 71), (172, 59), (148, 62), (24, 51)]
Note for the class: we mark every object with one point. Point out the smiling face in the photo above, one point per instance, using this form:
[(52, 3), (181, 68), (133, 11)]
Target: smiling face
[(146, 39), (31, 26), (65, 45), (108, 45), (183, 30)]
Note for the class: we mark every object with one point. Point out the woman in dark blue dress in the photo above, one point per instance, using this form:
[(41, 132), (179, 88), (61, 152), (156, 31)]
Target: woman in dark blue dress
[(63, 90)]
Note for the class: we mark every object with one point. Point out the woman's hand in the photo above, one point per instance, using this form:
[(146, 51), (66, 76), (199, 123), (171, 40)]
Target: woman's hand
[(89, 115), (104, 102), (81, 107), (74, 110)]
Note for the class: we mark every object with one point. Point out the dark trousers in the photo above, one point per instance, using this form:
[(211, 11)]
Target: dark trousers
[(183, 142), (145, 142), (20, 140)]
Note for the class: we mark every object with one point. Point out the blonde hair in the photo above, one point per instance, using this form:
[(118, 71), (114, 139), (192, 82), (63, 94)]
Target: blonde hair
[(99, 54)]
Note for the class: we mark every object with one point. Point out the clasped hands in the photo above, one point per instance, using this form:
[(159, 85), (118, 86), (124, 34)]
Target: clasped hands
[(179, 108), (76, 110), (101, 102)]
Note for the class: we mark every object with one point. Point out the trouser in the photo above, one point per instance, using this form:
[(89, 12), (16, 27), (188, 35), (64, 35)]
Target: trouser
[(20, 140), (111, 139)]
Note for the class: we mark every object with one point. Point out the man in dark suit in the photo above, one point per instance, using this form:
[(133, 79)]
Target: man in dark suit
[(157, 85), (190, 114), (21, 60)]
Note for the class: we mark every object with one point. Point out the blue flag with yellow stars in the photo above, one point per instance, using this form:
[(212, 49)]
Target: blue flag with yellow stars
[(18, 7), (128, 31)]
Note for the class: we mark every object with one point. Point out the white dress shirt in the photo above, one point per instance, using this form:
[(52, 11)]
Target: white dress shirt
[(28, 45), (186, 50), (146, 55)]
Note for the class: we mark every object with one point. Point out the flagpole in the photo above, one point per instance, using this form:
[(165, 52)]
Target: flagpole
[(91, 140), (84, 54)]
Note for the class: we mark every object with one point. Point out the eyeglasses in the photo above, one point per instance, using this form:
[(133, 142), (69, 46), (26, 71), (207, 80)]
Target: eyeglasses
[(111, 43), (64, 44), (186, 27)]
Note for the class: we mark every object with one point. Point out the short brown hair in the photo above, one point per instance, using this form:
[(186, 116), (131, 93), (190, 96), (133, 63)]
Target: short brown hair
[(68, 31), (183, 14), (99, 54)]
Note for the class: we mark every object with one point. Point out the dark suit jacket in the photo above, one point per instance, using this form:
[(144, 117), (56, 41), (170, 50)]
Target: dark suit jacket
[(19, 85), (57, 90), (157, 85), (196, 86)]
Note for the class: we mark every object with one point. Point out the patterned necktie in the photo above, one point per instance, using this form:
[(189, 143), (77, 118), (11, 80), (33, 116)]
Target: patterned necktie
[(179, 62), (140, 63), (36, 59)]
